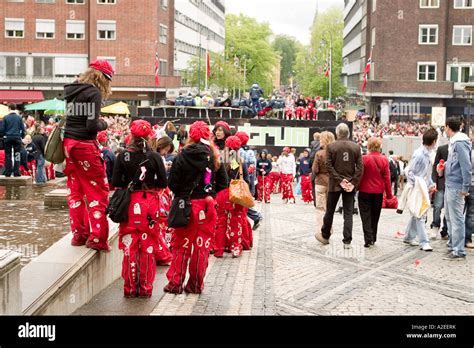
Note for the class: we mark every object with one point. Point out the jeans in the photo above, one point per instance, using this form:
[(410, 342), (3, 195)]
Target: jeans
[(40, 172), (254, 215), (438, 206), (470, 215), (252, 178), (256, 105), (12, 162), (454, 203), (348, 206), (416, 227), (370, 207)]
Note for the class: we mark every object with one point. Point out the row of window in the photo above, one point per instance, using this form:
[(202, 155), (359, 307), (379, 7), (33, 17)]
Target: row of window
[(198, 27), (459, 4), (427, 71), (187, 48), (48, 67), (75, 29), (462, 34), (163, 3), (209, 11)]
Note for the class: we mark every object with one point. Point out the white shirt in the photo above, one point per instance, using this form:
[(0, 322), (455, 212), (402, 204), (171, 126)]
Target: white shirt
[(287, 164)]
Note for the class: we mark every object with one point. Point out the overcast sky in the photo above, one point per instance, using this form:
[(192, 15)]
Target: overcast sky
[(290, 17)]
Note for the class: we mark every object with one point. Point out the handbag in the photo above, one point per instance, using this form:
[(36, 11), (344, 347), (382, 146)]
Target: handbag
[(54, 150), (180, 211), (239, 192)]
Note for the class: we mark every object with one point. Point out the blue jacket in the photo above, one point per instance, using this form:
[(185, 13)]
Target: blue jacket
[(13, 126), (305, 167), (247, 155), (458, 167), (109, 158)]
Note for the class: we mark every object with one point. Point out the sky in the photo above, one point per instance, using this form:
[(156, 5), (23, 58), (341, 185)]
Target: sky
[(289, 17)]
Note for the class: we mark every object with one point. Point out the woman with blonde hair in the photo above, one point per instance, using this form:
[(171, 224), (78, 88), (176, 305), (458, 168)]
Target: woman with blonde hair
[(321, 175), (85, 167)]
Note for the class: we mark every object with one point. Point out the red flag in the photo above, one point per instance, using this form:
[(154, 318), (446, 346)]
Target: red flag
[(208, 66), (367, 70), (157, 69), (327, 69)]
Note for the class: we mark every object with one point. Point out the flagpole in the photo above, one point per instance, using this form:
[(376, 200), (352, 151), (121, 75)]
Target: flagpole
[(207, 66), (154, 90)]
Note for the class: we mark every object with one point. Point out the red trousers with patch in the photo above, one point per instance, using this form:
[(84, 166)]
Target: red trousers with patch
[(287, 186), (229, 225), (289, 113), (139, 240), (191, 244), (306, 188), (88, 193), (264, 188), (311, 113), (247, 233), (163, 255), (300, 113), (275, 179), (50, 173)]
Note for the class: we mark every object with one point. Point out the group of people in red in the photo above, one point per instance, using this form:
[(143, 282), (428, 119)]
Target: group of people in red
[(304, 108), (201, 171)]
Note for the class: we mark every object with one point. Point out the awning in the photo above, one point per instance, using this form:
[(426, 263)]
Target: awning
[(120, 108), (20, 97), (53, 106)]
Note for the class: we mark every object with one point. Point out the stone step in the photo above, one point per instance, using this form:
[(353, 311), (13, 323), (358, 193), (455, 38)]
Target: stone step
[(15, 181), (56, 198)]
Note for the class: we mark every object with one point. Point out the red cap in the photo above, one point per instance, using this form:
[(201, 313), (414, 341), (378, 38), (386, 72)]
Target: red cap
[(104, 67), (286, 149), (199, 130), (222, 124), (244, 137), (233, 143), (102, 137), (140, 128), (128, 139)]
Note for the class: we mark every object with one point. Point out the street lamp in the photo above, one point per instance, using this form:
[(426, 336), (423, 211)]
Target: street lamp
[(330, 61)]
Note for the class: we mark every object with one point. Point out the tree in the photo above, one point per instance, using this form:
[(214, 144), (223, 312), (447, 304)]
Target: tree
[(287, 47), (310, 61)]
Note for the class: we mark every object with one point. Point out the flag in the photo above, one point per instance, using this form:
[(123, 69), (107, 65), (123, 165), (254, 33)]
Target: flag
[(157, 69), (208, 65), (367, 70), (327, 69)]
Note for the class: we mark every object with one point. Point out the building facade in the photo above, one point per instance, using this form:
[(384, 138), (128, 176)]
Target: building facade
[(422, 54), (199, 26), (47, 43)]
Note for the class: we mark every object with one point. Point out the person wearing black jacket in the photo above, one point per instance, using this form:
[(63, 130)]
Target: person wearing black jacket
[(40, 139), (13, 130), (85, 168), (138, 237), (441, 154), (196, 173), (264, 168)]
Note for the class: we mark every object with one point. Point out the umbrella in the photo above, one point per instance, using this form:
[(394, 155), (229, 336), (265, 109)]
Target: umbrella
[(120, 108), (49, 106), (3, 110)]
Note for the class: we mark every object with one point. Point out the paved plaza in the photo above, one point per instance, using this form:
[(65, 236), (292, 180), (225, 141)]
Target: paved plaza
[(289, 273)]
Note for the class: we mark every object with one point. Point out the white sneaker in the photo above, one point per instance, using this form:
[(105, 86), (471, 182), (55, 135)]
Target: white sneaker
[(434, 232), (411, 242), (426, 247)]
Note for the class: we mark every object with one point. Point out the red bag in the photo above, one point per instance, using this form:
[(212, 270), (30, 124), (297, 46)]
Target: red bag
[(390, 203)]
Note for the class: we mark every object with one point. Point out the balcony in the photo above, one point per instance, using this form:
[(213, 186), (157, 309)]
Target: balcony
[(438, 89)]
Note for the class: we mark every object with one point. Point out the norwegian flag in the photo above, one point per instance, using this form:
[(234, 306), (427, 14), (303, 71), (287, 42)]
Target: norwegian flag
[(208, 64), (327, 69), (367, 70), (157, 69)]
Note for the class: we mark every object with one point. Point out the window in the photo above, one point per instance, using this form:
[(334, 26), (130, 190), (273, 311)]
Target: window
[(463, 4), (426, 71), (163, 67), (15, 0), (69, 66), (107, 2), (43, 66), (460, 73), (45, 28), (163, 34), (14, 27), (75, 30), (462, 35), (164, 4), (45, 1), (80, 2), (429, 3), (428, 35), (16, 66), (106, 30)]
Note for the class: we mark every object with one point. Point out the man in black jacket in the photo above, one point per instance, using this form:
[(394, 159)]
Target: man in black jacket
[(13, 131), (441, 154), (40, 139)]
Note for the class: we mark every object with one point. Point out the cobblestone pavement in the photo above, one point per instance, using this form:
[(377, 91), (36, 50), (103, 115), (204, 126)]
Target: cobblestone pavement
[(289, 273)]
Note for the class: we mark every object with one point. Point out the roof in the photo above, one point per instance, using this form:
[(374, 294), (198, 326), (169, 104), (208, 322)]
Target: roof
[(20, 96)]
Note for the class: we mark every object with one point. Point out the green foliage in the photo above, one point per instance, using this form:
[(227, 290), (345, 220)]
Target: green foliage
[(310, 60), (287, 47)]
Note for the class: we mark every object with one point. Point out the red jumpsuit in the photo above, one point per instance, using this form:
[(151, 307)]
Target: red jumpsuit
[(192, 244), (247, 233), (306, 188), (139, 238), (87, 193), (311, 112), (300, 113), (287, 186), (275, 178), (264, 188), (163, 255)]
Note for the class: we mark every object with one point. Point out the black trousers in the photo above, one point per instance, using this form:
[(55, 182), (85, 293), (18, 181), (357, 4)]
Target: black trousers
[(348, 208), (395, 186), (12, 161), (370, 207)]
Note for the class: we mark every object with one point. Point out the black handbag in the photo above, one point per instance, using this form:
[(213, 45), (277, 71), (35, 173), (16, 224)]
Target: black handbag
[(117, 210), (180, 211)]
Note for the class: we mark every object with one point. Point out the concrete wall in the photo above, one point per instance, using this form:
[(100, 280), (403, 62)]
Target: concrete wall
[(10, 295)]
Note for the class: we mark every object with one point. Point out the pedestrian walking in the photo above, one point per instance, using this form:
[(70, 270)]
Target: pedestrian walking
[(13, 132), (439, 180), (287, 165)]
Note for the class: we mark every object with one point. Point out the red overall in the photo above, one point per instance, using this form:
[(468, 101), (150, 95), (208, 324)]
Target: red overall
[(287, 186), (139, 240), (306, 188), (289, 113), (264, 188), (300, 113), (191, 245), (163, 255), (88, 193), (50, 172), (311, 112), (247, 233), (275, 178)]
